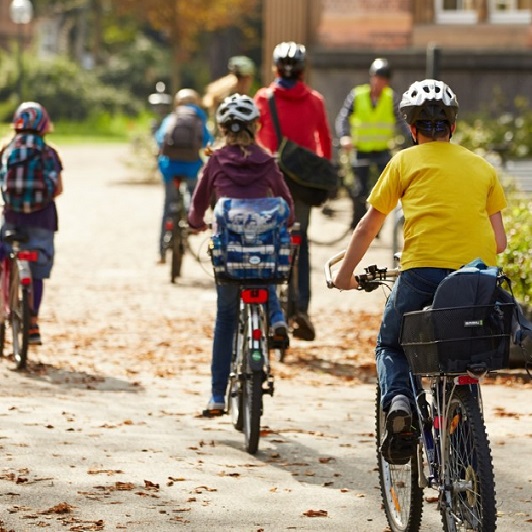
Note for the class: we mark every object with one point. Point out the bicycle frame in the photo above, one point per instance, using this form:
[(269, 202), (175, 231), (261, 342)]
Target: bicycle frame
[(250, 364), (16, 286)]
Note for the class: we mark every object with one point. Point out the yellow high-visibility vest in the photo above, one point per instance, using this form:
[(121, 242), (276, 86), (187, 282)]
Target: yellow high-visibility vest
[(372, 128)]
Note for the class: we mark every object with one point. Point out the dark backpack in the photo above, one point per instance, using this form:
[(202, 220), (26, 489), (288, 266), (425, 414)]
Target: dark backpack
[(28, 179), (183, 137), (476, 284)]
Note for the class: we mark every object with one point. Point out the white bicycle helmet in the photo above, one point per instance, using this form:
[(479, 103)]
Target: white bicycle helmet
[(237, 109), (429, 99)]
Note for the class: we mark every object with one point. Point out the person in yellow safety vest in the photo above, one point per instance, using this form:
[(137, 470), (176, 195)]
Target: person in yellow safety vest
[(367, 124)]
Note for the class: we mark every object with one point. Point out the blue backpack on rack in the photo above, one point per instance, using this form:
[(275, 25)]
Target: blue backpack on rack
[(251, 240)]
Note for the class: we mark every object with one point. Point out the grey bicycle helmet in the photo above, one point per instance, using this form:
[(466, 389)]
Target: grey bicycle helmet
[(289, 58), (184, 96), (429, 99), (381, 68), (236, 111)]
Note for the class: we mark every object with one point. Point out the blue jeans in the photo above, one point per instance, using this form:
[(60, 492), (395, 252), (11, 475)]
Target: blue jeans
[(413, 290), (227, 307)]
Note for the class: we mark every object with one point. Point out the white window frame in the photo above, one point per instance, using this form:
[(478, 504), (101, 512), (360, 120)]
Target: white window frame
[(458, 16), (512, 15)]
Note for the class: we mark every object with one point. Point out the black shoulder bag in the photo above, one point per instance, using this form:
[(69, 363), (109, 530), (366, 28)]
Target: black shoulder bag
[(310, 178)]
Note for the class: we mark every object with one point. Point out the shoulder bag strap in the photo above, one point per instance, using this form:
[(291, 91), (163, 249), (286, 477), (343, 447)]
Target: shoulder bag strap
[(275, 117)]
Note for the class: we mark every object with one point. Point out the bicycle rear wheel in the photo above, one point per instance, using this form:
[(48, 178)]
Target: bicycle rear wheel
[(2, 338), (19, 319), (252, 405), (178, 250), (468, 502), (401, 495)]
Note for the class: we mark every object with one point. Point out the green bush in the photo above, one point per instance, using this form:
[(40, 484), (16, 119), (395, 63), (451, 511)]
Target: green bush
[(65, 89), (507, 133), (516, 260)]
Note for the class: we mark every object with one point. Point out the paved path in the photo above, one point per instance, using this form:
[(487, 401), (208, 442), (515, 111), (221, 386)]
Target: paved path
[(103, 433)]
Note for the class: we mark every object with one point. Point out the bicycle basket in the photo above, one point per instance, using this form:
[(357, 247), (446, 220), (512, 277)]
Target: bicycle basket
[(451, 340), (251, 241)]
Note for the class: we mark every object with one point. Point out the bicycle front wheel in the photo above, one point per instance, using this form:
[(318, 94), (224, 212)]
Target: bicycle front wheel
[(401, 495), (468, 501), (252, 404), (331, 223), (19, 319)]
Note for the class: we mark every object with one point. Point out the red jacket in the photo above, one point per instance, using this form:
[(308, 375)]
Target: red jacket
[(302, 117)]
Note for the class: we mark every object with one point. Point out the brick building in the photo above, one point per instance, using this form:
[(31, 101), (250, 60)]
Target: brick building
[(474, 45)]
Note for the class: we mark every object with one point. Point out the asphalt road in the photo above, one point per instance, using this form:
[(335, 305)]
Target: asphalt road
[(103, 431)]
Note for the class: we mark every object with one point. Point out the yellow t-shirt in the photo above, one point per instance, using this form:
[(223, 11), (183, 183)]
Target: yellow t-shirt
[(448, 194)]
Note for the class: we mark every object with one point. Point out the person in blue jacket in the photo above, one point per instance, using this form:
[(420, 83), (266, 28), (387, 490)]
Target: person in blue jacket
[(170, 167)]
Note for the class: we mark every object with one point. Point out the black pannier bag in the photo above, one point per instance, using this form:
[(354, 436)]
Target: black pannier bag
[(468, 327)]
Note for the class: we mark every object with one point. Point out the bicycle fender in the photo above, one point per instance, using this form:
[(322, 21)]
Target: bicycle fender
[(256, 360)]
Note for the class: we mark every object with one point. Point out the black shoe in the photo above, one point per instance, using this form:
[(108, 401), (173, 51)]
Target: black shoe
[(303, 328), (279, 337), (34, 335), (400, 440)]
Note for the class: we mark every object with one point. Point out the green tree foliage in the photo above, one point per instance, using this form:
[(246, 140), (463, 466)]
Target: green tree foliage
[(182, 22)]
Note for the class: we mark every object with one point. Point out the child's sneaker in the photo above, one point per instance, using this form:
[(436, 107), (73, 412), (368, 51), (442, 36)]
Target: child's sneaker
[(400, 439), (34, 335), (279, 336), (215, 407)]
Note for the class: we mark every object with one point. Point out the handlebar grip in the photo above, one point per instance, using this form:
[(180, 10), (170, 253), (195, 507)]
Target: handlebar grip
[(328, 266)]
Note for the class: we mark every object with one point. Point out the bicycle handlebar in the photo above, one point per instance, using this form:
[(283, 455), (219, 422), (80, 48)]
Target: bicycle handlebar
[(369, 281)]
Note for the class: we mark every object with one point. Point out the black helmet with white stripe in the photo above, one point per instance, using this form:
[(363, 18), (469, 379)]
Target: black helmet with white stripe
[(289, 58)]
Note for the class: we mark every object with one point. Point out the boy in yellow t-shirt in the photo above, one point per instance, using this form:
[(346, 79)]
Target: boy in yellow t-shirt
[(452, 203)]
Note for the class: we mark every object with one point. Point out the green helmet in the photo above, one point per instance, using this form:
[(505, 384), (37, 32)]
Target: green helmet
[(240, 65)]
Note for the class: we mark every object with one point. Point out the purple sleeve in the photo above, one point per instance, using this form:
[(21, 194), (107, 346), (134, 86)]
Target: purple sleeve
[(201, 197)]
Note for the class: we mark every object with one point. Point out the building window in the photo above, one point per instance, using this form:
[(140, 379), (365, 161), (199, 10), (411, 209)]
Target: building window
[(455, 12), (510, 11)]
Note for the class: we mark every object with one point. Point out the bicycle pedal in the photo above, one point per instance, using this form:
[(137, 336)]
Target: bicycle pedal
[(213, 413)]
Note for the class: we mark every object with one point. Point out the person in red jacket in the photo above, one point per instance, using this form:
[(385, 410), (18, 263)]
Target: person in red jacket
[(302, 119)]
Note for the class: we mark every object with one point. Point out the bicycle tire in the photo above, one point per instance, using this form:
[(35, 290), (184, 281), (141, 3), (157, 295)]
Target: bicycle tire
[(469, 502), (19, 319), (401, 495), (178, 250), (332, 222), (2, 338), (252, 405)]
